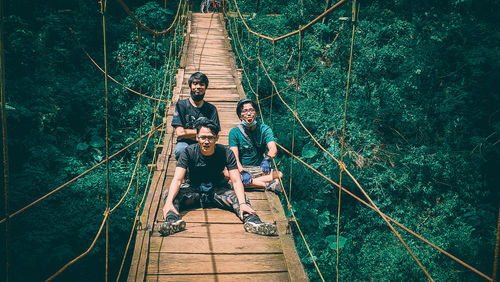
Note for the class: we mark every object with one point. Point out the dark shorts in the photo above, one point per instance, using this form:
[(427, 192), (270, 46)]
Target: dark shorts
[(221, 196)]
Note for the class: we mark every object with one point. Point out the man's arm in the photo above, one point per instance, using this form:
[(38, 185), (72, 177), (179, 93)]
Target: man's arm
[(234, 175), (182, 132), (237, 156), (173, 190), (272, 150)]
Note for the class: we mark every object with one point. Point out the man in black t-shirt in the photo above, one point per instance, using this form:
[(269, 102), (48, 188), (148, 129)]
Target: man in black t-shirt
[(189, 110), (206, 185)]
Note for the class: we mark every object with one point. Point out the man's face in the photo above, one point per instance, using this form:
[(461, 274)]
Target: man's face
[(207, 141), (198, 88), (248, 113)]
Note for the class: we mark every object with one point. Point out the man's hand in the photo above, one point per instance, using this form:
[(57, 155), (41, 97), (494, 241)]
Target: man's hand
[(265, 165), (244, 208), (246, 178), (168, 207)]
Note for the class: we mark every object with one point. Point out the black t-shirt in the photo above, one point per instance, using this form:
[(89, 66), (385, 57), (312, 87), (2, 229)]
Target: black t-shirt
[(205, 169), (186, 114)]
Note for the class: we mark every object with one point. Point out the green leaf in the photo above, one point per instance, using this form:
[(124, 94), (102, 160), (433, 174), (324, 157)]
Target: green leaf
[(97, 142), (332, 241), (82, 146), (309, 151)]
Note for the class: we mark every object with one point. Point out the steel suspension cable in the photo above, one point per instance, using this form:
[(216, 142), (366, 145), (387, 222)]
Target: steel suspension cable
[(5, 150)]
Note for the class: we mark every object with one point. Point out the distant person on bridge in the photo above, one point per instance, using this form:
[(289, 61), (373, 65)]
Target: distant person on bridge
[(206, 185), (187, 111), (249, 142)]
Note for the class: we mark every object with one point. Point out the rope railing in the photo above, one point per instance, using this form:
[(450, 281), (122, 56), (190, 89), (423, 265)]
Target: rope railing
[(104, 220), (347, 172), (301, 29), (110, 211), (79, 176), (111, 77), (280, 180), (154, 155), (138, 22), (387, 217), (5, 150)]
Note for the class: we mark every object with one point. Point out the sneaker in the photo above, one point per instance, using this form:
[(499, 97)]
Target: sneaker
[(274, 186), (253, 224), (173, 224)]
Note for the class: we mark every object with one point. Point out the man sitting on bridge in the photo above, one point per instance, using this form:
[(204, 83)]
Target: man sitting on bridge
[(249, 141), (187, 111), (206, 185)]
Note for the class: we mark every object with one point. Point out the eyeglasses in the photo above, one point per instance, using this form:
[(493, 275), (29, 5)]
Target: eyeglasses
[(209, 138), (252, 111)]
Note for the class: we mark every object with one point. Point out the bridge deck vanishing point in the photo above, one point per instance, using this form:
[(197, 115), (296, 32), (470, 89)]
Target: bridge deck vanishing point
[(214, 246)]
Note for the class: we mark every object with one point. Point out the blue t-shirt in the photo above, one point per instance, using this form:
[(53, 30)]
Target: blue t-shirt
[(248, 154)]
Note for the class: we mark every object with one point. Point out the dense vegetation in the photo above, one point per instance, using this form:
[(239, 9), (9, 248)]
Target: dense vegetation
[(422, 134), (56, 128)]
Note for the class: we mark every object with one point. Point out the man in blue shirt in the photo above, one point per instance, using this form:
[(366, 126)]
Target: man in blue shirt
[(249, 142)]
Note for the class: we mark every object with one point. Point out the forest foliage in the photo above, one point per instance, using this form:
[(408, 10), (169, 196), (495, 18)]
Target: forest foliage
[(422, 131), (56, 128)]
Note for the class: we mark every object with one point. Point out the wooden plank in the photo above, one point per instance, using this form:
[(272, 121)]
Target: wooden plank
[(210, 263), (215, 245), (292, 260), (213, 230), (265, 276), (215, 215)]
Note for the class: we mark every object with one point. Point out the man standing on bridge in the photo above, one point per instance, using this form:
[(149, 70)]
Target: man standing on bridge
[(187, 111), (206, 185)]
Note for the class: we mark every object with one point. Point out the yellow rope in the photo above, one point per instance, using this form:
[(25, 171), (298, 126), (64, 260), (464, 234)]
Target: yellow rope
[(293, 32), (104, 220), (295, 111), (131, 15), (103, 12), (497, 246), (139, 40), (275, 166), (4, 149)]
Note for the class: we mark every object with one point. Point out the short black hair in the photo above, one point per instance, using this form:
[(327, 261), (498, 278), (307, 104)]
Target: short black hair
[(205, 122), (198, 76), (242, 102)]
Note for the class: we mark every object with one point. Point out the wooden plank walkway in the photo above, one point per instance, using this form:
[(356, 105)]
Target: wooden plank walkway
[(214, 247)]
